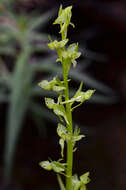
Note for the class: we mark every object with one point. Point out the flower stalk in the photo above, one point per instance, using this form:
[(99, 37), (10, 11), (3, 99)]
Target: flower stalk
[(70, 130), (64, 106)]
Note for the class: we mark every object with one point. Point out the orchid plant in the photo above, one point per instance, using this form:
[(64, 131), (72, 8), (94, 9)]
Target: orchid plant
[(64, 106)]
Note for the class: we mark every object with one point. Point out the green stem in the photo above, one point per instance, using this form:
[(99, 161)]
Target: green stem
[(70, 129)]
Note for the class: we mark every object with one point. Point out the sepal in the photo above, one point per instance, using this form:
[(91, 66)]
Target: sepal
[(80, 184), (62, 131), (63, 134), (55, 85), (61, 142), (57, 44)]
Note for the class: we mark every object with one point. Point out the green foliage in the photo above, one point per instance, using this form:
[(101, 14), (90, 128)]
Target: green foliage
[(63, 108)]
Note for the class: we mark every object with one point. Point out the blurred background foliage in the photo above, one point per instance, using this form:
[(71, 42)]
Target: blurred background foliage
[(27, 127)]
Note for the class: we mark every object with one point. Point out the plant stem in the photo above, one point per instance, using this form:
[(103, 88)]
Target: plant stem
[(70, 130)]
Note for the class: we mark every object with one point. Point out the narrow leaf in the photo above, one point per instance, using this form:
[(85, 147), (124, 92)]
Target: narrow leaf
[(19, 100), (62, 187)]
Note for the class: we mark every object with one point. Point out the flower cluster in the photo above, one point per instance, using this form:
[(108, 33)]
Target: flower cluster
[(63, 107), (64, 18)]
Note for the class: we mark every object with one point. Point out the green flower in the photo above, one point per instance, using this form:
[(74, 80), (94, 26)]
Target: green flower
[(72, 53), (56, 166), (64, 17), (57, 44), (55, 85), (80, 184), (58, 109)]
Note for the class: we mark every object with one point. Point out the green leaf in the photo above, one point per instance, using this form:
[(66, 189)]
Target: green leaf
[(79, 90), (19, 101)]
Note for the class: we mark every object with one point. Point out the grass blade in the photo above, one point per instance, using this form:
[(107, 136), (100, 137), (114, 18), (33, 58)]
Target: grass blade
[(18, 105)]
